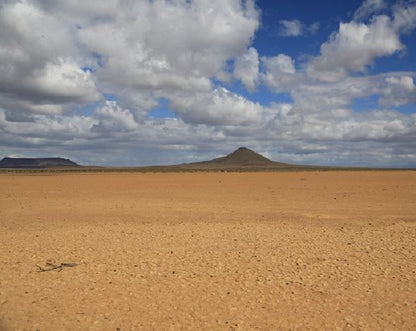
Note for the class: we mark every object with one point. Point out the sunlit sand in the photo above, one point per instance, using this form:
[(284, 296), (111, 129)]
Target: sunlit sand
[(319, 250)]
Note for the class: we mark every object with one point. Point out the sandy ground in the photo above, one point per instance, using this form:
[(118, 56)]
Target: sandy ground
[(296, 250)]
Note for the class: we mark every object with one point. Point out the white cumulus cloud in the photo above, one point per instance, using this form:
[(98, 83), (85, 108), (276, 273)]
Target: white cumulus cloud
[(279, 72), (398, 90), (354, 47), (290, 28), (221, 107), (40, 69), (296, 28), (368, 8), (246, 68)]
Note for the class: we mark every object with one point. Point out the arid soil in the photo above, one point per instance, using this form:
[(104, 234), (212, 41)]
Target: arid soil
[(206, 251)]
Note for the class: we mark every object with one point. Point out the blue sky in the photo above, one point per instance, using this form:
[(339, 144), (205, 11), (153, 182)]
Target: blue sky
[(163, 82), (328, 14)]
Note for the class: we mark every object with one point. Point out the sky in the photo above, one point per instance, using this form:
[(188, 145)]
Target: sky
[(147, 82)]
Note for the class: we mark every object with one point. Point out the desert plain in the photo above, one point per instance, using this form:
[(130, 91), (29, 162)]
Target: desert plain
[(208, 251)]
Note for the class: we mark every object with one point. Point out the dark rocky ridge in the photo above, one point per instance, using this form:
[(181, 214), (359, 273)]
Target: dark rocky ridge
[(36, 163)]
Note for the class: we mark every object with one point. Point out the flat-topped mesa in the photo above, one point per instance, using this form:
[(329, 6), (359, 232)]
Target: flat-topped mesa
[(9, 162)]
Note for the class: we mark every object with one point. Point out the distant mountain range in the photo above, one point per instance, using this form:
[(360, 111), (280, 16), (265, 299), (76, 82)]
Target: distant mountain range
[(241, 159), (29, 163)]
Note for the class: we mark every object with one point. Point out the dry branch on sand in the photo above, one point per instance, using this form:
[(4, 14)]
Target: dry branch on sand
[(51, 266)]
